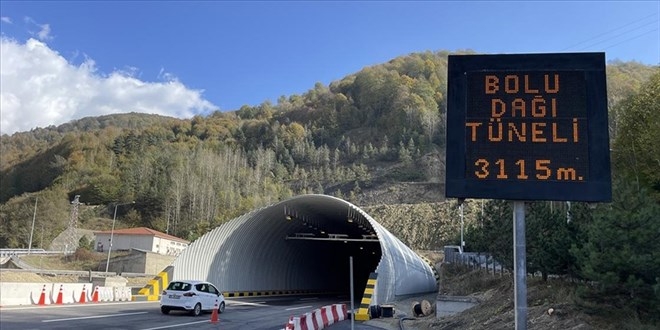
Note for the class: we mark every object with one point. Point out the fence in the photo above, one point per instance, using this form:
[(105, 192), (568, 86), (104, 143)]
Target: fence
[(476, 260)]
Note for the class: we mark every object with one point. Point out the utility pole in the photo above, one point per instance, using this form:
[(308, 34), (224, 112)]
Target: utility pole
[(112, 234), (34, 216)]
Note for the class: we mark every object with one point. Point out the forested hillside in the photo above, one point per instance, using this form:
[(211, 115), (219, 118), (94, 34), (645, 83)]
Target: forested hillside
[(361, 138), (375, 138)]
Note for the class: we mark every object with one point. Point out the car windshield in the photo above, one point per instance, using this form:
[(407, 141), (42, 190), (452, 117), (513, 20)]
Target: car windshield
[(179, 286)]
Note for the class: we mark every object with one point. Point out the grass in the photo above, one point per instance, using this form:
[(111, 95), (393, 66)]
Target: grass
[(81, 260), (458, 281), (570, 308)]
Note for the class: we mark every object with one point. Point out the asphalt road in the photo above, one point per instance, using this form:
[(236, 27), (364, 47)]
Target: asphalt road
[(266, 313)]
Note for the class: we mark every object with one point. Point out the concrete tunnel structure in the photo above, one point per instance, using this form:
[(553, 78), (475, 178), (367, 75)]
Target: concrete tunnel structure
[(304, 244)]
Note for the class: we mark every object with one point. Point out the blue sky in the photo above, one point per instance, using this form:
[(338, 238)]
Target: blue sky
[(67, 60)]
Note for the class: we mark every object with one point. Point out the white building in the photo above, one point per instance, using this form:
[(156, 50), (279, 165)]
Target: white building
[(141, 238)]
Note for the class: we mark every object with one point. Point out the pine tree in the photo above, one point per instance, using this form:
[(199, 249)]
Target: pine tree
[(622, 253)]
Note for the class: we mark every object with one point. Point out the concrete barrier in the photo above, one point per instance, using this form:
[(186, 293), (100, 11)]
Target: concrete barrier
[(14, 294), (70, 292), (23, 293), (450, 305)]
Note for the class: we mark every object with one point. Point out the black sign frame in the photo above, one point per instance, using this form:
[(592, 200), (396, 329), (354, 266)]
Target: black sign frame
[(596, 187)]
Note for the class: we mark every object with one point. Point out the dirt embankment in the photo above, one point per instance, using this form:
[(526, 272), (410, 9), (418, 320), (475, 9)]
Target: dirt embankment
[(551, 305)]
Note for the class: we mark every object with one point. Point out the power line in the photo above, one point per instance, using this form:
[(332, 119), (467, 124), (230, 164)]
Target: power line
[(616, 29), (618, 35), (635, 37)]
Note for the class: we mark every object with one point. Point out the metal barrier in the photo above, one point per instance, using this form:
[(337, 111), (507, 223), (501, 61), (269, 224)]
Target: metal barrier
[(72, 272), (476, 260), (22, 252)]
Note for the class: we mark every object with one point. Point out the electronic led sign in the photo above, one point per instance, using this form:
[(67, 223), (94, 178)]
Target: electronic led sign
[(528, 127)]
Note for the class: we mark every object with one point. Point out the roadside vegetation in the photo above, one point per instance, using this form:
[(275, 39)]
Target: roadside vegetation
[(375, 138), (610, 250), (556, 303), (82, 259)]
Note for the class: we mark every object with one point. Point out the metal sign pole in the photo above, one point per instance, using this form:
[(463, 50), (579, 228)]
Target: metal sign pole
[(462, 240), (520, 265), (352, 299)]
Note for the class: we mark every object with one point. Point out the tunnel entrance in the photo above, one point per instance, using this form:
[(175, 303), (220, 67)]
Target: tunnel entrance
[(329, 261), (304, 244)]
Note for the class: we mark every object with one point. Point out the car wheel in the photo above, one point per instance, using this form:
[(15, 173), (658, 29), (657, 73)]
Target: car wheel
[(221, 308), (197, 311), (164, 310)]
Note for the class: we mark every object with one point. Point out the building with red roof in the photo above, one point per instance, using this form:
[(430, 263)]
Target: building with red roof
[(141, 238)]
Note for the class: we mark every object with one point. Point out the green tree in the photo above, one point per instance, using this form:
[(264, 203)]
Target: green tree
[(404, 154), (636, 148), (621, 256), (549, 239), (85, 243), (495, 232)]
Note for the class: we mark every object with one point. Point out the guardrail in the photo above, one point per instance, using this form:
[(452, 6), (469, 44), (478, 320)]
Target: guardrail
[(73, 272), (21, 252)]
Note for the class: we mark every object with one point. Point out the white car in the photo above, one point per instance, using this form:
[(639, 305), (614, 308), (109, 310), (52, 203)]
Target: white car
[(192, 296)]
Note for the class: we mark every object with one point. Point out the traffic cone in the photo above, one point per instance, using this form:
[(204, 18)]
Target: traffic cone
[(214, 314), (42, 297), (83, 296), (59, 296), (95, 295)]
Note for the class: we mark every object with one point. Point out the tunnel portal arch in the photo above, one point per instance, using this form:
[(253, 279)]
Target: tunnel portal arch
[(304, 244)]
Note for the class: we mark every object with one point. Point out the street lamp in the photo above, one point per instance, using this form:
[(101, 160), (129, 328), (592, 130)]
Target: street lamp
[(112, 233)]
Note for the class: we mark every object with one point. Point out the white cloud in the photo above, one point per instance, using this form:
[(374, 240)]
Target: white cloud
[(6, 19), (44, 32), (166, 76), (40, 88)]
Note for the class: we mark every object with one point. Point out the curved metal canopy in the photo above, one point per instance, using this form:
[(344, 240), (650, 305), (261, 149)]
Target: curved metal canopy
[(305, 244)]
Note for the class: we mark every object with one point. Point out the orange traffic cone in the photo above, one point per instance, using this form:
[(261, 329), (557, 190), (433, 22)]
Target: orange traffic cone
[(59, 296), (83, 296), (214, 314), (95, 295), (42, 297)]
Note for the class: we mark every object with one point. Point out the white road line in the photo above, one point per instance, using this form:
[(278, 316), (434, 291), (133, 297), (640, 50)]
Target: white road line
[(305, 299), (294, 308), (92, 317), (242, 303), (176, 325)]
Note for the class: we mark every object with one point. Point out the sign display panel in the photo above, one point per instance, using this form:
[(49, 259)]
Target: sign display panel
[(528, 127)]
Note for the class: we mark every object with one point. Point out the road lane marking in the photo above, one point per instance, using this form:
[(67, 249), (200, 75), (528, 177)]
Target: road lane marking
[(176, 325), (241, 303), (305, 299), (294, 308), (92, 317)]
